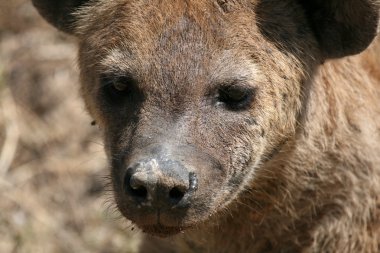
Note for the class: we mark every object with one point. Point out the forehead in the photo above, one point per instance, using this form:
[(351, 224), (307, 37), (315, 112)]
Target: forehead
[(145, 22), (145, 25), (177, 36)]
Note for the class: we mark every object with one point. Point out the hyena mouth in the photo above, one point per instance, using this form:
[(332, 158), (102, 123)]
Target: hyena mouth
[(162, 231)]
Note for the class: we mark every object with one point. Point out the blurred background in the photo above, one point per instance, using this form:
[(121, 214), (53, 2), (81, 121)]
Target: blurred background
[(52, 166)]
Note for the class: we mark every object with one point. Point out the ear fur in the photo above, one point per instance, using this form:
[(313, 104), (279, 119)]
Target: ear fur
[(343, 27), (59, 12)]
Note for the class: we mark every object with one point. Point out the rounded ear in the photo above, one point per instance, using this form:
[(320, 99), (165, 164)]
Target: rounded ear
[(59, 13), (343, 27)]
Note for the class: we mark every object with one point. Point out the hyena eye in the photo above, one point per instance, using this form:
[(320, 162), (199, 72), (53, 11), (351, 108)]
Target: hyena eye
[(117, 89), (235, 97)]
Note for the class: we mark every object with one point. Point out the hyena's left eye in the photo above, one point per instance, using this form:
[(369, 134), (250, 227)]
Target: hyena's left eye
[(117, 89), (235, 97)]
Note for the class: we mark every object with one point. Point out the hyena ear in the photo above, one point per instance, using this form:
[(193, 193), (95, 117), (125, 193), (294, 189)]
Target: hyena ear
[(343, 27), (59, 13)]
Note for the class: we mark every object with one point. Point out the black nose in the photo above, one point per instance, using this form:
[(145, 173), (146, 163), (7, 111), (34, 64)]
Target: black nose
[(162, 184)]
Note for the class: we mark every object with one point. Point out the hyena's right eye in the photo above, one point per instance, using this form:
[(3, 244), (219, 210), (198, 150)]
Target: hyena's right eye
[(117, 89)]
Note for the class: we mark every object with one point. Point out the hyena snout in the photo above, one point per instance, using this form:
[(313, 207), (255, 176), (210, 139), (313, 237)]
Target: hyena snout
[(160, 183), (165, 189)]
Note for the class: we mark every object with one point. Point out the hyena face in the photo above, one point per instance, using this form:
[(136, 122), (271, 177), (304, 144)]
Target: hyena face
[(192, 96), (190, 104)]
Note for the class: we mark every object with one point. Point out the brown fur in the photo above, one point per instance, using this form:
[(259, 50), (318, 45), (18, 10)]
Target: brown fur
[(325, 180), (299, 170)]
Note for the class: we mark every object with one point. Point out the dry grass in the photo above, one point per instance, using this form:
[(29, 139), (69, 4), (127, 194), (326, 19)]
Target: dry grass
[(52, 164)]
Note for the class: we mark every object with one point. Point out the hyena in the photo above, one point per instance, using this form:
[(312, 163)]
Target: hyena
[(236, 125)]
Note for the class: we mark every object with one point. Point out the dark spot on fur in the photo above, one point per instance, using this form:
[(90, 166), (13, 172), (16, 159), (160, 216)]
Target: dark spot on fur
[(355, 127), (226, 5), (285, 77), (255, 57)]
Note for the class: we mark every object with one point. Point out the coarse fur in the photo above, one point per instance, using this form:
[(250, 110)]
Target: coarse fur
[(297, 170)]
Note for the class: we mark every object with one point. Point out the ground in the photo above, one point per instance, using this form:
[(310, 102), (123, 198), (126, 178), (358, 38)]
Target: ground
[(52, 166)]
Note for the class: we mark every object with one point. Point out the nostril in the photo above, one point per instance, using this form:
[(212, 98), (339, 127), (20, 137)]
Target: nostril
[(176, 194), (133, 186), (140, 192)]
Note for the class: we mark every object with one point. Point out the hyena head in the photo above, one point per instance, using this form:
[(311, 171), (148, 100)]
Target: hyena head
[(195, 96)]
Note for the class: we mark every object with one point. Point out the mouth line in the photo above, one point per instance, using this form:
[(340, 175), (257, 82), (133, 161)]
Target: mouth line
[(163, 231)]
